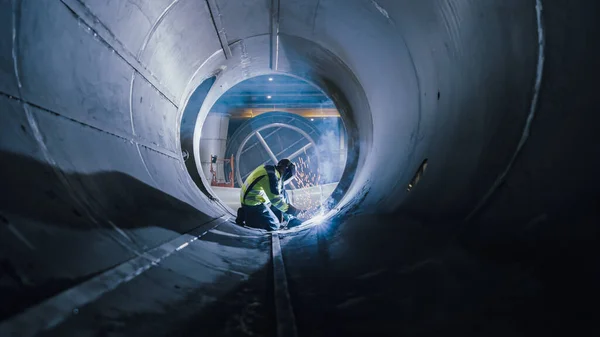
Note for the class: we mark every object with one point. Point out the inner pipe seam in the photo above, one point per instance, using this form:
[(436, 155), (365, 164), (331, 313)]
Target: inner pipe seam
[(140, 52), (93, 23), (16, 18), (55, 310), (222, 233), (39, 139), (180, 107), (154, 27), (274, 35), (98, 126), (79, 202), (98, 27), (194, 82), (160, 150), (78, 196), (532, 111), (400, 184), (145, 165), (190, 183), (284, 312), (215, 14), (216, 67), (216, 202)]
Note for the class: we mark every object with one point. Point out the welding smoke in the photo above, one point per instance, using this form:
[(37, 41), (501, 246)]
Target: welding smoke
[(331, 157)]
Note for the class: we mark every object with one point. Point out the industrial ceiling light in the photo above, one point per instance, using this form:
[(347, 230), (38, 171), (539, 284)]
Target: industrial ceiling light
[(269, 97), (270, 79)]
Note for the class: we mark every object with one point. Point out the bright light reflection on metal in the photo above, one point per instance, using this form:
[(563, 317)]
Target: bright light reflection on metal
[(317, 219)]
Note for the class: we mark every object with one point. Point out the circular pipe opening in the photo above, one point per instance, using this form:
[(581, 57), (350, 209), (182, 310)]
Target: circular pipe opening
[(310, 62), (329, 164)]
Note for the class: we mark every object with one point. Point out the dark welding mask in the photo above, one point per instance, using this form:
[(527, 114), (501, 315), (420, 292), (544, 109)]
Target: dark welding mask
[(289, 172)]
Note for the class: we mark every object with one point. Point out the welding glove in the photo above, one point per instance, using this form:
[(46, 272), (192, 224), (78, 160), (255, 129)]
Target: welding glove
[(294, 223), (293, 210)]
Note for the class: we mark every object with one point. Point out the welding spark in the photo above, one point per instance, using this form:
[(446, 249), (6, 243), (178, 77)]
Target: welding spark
[(308, 181)]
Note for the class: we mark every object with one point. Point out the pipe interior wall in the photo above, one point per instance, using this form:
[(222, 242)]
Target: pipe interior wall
[(93, 93)]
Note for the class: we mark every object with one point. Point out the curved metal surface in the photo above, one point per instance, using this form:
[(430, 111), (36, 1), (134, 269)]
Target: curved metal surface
[(451, 81)]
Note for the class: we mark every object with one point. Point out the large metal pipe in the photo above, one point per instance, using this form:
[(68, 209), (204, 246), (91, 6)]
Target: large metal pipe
[(498, 96)]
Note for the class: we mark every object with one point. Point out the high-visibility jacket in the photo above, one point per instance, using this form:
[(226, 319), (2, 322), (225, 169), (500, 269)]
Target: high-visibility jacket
[(268, 189)]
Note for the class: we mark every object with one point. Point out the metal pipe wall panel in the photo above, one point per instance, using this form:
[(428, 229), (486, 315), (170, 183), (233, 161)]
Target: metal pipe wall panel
[(92, 95)]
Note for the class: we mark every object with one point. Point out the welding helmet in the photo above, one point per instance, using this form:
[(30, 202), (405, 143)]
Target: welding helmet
[(288, 170)]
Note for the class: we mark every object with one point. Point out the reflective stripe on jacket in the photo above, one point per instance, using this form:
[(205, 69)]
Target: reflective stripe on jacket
[(267, 189)]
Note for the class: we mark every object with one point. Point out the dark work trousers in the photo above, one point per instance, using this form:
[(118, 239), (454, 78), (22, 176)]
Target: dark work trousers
[(261, 217)]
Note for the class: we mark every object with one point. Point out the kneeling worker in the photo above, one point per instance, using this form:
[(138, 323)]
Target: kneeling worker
[(266, 184)]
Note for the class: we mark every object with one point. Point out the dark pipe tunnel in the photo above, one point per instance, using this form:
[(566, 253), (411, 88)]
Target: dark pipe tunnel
[(104, 233)]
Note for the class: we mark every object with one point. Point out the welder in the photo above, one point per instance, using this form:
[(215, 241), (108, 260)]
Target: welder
[(264, 200)]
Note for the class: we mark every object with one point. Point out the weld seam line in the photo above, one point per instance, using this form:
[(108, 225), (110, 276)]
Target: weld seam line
[(58, 308), (532, 113)]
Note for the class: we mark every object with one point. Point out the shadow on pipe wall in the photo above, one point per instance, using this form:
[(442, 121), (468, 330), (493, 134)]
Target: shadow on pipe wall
[(57, 207), (45, 231)]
